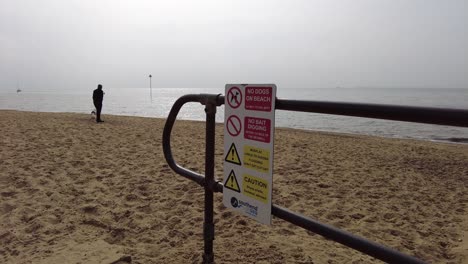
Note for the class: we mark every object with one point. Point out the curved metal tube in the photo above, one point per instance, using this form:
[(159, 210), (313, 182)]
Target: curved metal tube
[(166, 139)]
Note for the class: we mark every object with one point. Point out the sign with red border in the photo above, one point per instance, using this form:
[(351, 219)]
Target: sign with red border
[(258, 98), (249, 118), (258, 129)]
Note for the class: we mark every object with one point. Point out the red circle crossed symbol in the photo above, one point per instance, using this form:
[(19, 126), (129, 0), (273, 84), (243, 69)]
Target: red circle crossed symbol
[(233, 125), (234, 97)]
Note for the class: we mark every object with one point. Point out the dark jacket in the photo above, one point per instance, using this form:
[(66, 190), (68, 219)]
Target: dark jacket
[(98, 95)]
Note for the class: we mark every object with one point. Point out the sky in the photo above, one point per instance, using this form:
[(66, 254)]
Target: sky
[(76, 44)]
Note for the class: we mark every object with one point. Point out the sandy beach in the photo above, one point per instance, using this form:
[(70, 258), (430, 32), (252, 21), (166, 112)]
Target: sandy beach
[(73, 191)]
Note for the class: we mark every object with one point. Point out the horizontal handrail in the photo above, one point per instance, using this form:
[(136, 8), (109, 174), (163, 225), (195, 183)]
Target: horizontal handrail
[(427, 115)]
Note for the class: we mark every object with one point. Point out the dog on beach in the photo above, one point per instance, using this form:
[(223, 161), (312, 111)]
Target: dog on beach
[(93, 114)]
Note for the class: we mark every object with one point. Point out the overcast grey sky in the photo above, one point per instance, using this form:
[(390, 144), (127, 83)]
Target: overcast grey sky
[(68, 44)]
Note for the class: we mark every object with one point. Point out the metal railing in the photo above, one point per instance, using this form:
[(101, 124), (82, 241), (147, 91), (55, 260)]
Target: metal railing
[(450, 117)]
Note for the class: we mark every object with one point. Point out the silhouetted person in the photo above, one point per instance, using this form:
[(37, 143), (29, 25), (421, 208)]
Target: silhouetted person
[(98, 95)]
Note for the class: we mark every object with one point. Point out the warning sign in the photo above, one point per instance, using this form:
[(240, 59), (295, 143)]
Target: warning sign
[(232, 155), (232, 183), (255, 187), (249, 126), (256, 158)]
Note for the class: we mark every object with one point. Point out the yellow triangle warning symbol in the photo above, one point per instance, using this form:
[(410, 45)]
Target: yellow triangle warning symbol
[(231, 182), (233, 156)]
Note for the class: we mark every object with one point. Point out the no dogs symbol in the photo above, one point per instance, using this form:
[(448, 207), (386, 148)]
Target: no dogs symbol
[(234, 97)]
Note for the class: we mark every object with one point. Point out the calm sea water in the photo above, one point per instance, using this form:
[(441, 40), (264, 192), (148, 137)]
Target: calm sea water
[(137, 102)]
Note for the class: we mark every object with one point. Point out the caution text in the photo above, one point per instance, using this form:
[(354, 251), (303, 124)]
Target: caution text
[(255, 188)]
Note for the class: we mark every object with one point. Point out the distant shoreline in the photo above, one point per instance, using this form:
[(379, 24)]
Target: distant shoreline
[(450, 140)]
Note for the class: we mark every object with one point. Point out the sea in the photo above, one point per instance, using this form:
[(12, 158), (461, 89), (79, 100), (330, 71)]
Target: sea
[(157, 103)]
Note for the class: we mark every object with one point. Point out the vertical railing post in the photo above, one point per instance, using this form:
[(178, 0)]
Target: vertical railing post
[(208, 225)]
